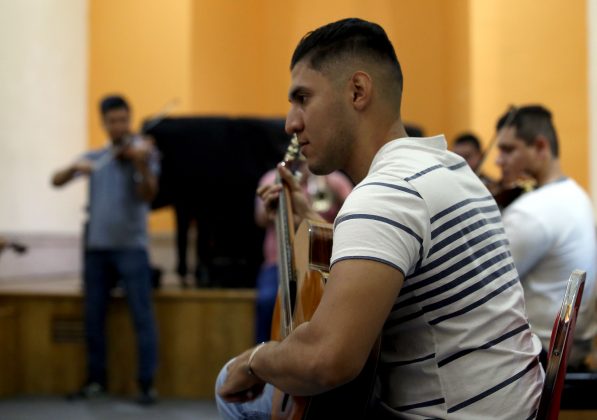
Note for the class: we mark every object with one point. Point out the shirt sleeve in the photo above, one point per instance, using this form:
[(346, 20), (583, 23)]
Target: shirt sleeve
[(528, 238), (382, 224), (91, 155)]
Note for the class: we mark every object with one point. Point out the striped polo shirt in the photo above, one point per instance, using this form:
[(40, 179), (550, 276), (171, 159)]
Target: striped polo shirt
[(457, 343)]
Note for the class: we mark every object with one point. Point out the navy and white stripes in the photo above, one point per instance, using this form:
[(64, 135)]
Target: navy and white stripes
[(457, 335)]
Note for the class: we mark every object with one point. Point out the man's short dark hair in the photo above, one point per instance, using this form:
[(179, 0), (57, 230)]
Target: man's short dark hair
[(110, 102), (469, 138), (347, 37), (529, 122)]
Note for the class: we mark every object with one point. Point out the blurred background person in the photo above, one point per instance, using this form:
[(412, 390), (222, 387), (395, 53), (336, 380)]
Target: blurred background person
[(122, 182), (468, 146), (326, 194), (551, 229)]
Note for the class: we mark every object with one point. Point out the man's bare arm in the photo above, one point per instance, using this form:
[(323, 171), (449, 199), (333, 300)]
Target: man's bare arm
[(64, 176), (333, 347)]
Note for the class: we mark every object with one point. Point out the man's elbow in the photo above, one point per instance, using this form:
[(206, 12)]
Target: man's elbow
[(333, 370)]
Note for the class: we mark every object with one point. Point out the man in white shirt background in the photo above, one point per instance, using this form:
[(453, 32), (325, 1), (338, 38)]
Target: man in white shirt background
[(551, 229)]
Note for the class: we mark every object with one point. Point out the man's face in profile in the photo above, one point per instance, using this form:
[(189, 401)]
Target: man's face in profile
[(318, 116), (515, 157)]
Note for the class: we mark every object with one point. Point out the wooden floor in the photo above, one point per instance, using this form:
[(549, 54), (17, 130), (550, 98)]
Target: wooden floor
[(42, 338)]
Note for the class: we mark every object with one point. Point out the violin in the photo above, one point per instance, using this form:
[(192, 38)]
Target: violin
[(504, 195), (126, 147)]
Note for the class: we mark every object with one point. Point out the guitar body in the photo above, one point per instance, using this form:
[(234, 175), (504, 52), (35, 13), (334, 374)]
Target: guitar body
[(312, 251)]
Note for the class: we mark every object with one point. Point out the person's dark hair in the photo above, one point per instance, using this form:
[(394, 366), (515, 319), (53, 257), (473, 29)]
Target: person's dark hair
[(531, 121), (469, 138), (347, 37), (110, 102), (414, 130)]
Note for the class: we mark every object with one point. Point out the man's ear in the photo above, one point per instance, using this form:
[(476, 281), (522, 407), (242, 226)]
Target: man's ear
[(361, 89), (542, 145)]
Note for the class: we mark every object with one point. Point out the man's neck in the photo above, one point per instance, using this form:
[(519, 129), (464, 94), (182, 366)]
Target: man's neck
[(368, 146), (551, 173)]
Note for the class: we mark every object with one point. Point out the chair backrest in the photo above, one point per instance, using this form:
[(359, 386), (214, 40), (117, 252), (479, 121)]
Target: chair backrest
[(559, 347)]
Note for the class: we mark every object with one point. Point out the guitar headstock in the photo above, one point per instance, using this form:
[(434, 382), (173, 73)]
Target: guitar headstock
[(292, 158)]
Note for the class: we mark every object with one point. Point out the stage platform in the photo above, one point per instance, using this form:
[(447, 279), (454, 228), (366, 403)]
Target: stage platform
[(42, 337)]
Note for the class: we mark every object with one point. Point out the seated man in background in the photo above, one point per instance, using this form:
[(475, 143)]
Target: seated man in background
[(328, 194), (122, 182), (468, 146), (551, 229)]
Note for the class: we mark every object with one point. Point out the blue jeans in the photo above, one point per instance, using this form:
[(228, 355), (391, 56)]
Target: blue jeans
[(258, 409), (131, 266), (267, 291)]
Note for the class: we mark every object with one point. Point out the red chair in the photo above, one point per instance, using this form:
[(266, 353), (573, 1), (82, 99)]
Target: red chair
[(559, 347)]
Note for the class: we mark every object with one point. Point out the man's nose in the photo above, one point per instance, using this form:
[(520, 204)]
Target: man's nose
[(294, 123)]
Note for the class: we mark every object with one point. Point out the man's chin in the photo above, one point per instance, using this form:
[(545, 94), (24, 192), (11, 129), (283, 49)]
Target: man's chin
[(319, 169)]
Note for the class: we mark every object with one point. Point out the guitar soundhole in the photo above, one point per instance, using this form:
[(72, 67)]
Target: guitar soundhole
[(285, 402)]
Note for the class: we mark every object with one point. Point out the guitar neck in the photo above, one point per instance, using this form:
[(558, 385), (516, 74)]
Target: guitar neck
[(286, 265)]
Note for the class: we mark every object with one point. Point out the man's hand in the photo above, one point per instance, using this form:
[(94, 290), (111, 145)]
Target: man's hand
[(80, 167), (301, 208), (139, 152), (240, 385)]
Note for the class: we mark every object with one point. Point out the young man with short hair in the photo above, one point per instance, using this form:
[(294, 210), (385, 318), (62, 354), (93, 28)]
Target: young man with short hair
[(419, 256), (551, 229)]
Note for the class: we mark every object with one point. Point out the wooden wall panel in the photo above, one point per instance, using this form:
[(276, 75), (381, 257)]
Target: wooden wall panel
[(8, 350), (199, 331)]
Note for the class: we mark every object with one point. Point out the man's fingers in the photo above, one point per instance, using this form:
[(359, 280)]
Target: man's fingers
[(266, 189), (288, 177)]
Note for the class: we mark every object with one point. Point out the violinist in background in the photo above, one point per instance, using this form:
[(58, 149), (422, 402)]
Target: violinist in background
[(550, 229), (122, 182), (468, 146)]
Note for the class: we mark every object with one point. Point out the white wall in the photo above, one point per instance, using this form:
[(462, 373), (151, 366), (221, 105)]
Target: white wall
[(592, 28), (43, 112)]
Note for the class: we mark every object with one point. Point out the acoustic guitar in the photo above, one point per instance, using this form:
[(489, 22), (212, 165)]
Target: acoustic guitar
[(303, 268)]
